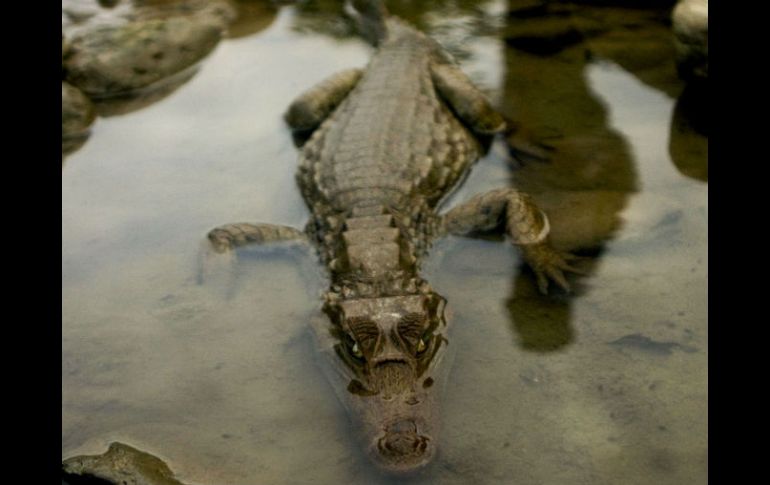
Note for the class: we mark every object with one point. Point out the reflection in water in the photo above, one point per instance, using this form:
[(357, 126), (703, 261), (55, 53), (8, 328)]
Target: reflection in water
[(585, 182), (590, 174), (454, 23), (125, 103), (688, 142), (326, 16), (253, 16), (542, 325)]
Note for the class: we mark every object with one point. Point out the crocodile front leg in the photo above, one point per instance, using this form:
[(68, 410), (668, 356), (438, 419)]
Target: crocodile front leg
[(523, 221), (217, 255), (470, 104), (313, 106), (231, 236), (474, 109)]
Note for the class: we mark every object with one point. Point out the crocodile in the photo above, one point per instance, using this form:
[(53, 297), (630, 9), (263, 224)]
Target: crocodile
[(384, 146)]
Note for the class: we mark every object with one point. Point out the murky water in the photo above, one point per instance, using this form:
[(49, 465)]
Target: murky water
[(607, 386)]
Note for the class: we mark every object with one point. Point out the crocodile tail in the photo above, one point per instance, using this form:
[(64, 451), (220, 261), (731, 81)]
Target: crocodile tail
[(372, 16)]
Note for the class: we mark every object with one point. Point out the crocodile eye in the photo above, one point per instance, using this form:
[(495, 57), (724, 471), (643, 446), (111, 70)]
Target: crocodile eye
[(421, 346), (353, 348), (356, 351)]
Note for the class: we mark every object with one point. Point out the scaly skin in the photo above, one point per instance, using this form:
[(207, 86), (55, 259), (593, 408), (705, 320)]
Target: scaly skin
[(387, 145)]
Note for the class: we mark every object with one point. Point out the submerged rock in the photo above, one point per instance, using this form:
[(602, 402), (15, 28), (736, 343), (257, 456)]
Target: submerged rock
[(691, 35), (77, 111), (120, 465), (111, 60), (641, 343)]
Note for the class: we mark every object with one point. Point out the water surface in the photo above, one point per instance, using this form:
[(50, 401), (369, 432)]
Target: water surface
[(607, 386)]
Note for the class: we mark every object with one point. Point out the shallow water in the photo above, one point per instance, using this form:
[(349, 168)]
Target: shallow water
[(607, 386)]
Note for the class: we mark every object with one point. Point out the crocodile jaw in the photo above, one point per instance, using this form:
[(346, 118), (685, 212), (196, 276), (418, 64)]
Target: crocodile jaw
[(400, 431)]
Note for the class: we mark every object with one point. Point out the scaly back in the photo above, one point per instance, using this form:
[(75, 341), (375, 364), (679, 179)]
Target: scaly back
[(392, 139)]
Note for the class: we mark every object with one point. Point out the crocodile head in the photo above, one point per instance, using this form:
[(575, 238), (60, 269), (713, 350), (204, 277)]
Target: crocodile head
[(390, 348)]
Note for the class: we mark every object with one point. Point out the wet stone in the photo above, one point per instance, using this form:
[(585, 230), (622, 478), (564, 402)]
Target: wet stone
[(71, 144), (690, 24), (122, 465), (77, 111), (115, 59), (136, 100), (253, 16), (76, 11)]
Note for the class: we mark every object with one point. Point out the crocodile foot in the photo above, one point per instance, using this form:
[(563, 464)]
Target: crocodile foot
[(549, 263)]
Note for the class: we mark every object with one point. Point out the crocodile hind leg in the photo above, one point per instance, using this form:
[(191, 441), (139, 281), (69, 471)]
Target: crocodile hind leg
[(523, 221), (313, 106), (218, 254)]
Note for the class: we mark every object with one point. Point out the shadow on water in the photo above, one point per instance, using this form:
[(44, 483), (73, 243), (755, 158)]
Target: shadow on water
[(590, 173), (688, 139)]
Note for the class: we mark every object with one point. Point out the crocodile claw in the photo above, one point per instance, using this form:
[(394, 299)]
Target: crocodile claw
[(549, 263)]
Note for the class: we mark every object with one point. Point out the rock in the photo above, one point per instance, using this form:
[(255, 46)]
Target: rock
[(220, 12), (71, 144), (690, 24), (77, 111), (253, 16), (77, 11), (122, 465), (111, 60), (136, 100)]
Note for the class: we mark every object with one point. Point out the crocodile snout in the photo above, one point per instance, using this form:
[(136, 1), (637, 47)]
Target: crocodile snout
[(402, 449)]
